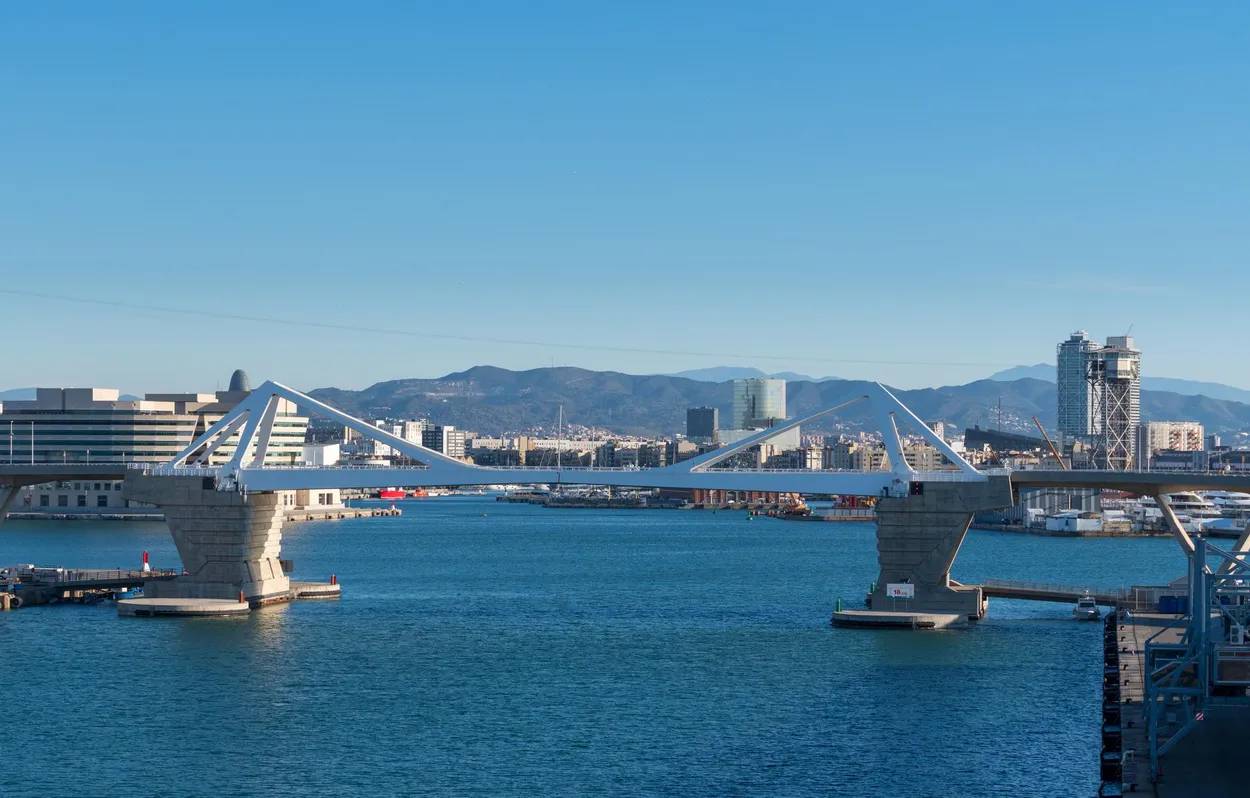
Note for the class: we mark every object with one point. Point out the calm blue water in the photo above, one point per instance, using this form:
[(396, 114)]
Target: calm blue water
[(484, 648)]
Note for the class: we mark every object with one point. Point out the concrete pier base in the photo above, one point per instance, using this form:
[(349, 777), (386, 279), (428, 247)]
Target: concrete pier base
[(181, 607), (229, 542), (896, 620), (918, 537)]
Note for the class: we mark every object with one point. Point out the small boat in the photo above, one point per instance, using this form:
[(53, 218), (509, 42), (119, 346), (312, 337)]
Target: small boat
[(1086, 609)]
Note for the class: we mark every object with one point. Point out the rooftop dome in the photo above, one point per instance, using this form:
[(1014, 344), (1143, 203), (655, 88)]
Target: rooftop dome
[(239, 381)]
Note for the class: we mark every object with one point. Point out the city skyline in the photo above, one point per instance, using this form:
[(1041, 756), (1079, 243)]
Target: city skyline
[(835, 190)]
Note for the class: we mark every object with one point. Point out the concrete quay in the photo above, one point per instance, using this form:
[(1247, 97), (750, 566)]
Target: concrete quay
[(1204, 764)]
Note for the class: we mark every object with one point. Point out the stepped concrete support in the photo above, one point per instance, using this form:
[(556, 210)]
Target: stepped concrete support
[(229, 542), (918, 537)]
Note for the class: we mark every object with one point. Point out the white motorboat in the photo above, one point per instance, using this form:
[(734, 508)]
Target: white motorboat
[(1086, 609)]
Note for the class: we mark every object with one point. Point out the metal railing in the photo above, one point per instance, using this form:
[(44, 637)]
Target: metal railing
[(165, 470), (72, 576)]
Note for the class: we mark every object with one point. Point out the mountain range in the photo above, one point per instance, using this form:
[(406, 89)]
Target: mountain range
[(1215, 390), (489, 399)]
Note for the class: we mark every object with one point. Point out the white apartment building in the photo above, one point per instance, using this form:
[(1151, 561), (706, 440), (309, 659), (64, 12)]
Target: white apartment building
[(1178, 436)]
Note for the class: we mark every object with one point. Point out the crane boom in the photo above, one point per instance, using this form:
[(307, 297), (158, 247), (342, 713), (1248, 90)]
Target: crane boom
[(1054, 452)]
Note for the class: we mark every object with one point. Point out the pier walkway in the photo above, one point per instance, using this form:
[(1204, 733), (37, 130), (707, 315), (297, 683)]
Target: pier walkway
[(43, 585)]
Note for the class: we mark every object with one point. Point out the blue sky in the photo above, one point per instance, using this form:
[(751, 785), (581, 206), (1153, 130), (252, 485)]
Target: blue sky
[(916, 192)]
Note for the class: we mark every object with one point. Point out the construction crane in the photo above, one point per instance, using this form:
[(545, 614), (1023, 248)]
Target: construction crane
[(1050, 443)]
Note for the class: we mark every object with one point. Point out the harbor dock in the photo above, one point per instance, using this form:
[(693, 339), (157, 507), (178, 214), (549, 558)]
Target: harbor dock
[(1206, 761)]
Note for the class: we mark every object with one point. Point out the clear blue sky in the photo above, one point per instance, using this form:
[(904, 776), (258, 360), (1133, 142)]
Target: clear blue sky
[(811, 183)]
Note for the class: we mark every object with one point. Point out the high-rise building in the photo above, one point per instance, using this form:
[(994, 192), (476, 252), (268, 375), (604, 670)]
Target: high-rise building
[(701, 423), (1076, 405), (758, 402), (1115, 379), (1099, 397)]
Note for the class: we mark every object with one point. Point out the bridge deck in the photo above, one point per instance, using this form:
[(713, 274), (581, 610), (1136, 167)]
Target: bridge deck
[(1141, 482), (1067, 594)]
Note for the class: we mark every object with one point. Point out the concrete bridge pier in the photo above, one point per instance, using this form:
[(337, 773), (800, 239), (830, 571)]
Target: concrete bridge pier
[(229, 542), (918, 537)]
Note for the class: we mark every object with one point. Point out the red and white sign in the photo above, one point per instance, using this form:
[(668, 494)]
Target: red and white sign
[(900, 590)]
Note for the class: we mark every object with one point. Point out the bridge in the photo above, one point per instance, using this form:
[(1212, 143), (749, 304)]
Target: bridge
[(226, 519)]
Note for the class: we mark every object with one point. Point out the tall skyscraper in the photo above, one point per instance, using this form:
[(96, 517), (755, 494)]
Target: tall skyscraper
[(1116, 371), (702, 423), (758, 402), (1099, 396), (1076, 404)]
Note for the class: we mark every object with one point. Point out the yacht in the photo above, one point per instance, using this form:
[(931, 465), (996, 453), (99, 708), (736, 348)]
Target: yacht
[(1230, 503), (1194, 506), (1192, 510), (1086, 609)]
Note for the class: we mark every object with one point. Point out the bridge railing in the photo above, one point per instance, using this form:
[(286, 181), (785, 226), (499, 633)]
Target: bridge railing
[(162, 469), (165, 470), (71, 576), (1206, 472)]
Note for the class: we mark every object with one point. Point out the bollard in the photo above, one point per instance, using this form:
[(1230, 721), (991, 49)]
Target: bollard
[(241, 599), (5, 600)]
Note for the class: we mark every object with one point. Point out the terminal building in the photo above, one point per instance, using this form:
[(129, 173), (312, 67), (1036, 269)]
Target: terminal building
[(96, 425)]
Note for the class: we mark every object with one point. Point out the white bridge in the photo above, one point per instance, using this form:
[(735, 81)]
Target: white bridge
[(227, 521), (249, 426)]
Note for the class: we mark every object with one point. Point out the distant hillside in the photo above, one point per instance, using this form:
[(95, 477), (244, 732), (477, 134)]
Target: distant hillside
[(1038, 371), (1215, 390), (489, 399), (726, 373)]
